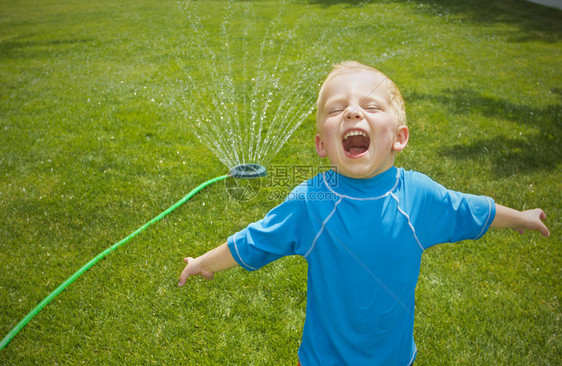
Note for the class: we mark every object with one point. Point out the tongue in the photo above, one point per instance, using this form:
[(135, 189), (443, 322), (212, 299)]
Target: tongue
[(357, 150), (356, 145)]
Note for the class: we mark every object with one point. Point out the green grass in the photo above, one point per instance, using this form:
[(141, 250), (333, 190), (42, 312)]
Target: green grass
[(86, 157)]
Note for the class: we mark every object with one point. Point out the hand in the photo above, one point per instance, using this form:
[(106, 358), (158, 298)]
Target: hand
[(533, 220), (194, 268), (208, 264)]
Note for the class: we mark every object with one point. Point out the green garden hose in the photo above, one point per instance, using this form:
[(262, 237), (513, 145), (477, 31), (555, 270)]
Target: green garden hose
[(87, 266)]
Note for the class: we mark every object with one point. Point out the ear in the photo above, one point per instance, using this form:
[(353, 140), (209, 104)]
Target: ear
[(320, 146), (401, 140)]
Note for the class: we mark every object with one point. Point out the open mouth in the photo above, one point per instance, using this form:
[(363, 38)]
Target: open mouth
[(355, 143)]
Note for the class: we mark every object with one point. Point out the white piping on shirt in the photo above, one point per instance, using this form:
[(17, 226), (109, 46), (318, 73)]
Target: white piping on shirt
[(409, 221), (238, 254), (362, 198), (322, 228), (367, 199), (487, 220)]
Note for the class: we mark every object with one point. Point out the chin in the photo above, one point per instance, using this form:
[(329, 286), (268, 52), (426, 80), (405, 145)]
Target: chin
[(361, 169), (356, 172)]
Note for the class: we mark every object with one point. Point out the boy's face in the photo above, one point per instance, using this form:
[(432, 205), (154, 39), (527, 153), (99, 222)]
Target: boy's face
[(358, 130)]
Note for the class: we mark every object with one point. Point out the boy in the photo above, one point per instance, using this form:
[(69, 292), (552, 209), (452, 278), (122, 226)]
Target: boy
[(362, 227)]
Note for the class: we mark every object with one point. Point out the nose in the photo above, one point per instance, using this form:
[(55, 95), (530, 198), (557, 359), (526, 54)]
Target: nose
[(353, 114)]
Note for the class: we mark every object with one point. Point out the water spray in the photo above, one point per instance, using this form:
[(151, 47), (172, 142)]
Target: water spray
[(244, 171)]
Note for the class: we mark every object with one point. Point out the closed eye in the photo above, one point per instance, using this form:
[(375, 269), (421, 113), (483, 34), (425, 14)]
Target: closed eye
[(372, 108), (335, 111)]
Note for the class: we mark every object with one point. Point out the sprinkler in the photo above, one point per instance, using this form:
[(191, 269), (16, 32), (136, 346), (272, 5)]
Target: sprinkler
[(248, 171)]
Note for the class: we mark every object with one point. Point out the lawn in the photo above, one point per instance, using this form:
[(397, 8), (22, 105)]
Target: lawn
[(96, 140)]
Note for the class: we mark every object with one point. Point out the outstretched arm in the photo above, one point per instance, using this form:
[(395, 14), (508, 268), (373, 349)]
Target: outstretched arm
[(520, 220), (215, 260)]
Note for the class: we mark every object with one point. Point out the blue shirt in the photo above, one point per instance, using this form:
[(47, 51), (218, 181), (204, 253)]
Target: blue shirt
[(363, 240)]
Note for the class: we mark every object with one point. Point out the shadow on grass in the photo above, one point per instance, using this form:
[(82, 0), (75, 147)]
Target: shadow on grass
[(520, 153), (20, 47), (534, 22), (326, 3)]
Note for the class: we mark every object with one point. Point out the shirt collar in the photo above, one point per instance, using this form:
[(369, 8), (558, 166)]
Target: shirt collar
[(372, 188)]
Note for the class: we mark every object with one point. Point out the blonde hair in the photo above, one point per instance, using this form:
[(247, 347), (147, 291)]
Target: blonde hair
[(349, 67)]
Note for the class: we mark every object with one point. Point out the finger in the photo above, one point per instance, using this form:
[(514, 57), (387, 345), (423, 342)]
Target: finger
[(542, 228), (544, 231), (183, 277), (185, 273)]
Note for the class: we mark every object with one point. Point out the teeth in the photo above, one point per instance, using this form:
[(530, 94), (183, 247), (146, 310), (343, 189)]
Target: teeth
[(354, 133)]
